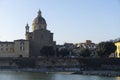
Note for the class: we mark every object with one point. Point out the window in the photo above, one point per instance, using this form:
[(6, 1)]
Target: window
[(30, 37), (11, 49), (1, 49), (6, 49), (21, 43), (1, 44), (6, 45), (21, 48)]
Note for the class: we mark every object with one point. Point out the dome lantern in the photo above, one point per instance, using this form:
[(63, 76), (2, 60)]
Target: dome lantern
[(39, 22), (39, 13)]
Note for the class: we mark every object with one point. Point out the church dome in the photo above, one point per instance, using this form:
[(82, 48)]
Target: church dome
[(39, 22)]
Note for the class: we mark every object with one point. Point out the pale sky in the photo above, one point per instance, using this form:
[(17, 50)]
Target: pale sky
[(71, 21)]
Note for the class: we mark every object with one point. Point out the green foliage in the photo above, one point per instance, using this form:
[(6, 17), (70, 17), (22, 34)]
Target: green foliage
[(85, 52), (47, 51), (104, 49), (25, 62), (64, 52)]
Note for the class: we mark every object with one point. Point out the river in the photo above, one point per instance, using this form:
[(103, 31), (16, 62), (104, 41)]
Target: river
[(9, 75)]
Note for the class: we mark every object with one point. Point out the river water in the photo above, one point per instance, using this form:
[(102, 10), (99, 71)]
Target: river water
[(8, 75)]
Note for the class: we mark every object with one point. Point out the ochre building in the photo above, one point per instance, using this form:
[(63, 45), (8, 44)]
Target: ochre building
[(117, 53)]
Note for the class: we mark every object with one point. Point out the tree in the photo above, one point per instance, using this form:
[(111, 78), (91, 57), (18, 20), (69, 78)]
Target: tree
[(104, 49), (85, 52), (22, 62), (64, 52), (47, 51)]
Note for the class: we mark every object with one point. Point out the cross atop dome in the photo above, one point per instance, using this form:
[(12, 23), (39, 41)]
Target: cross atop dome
[(39, 13)]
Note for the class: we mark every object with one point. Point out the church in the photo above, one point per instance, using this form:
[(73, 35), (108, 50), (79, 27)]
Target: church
[(34, 42), (40, 36)]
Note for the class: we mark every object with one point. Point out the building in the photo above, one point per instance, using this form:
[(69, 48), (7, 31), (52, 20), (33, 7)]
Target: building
[(40, 36), (34, 42), (117, 52), (86, 45), (14, 49)]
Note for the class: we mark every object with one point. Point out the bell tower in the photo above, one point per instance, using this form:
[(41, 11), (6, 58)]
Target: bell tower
[(27, 28), (27, 33)]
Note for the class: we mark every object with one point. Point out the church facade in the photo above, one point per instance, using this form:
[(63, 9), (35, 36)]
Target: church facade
[(34, 42)]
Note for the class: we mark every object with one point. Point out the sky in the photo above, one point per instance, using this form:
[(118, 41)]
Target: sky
[(71, 21)]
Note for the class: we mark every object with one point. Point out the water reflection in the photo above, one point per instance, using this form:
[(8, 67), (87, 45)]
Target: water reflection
[(117, 78), (4, 75), (81, 77), (24, 76)]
